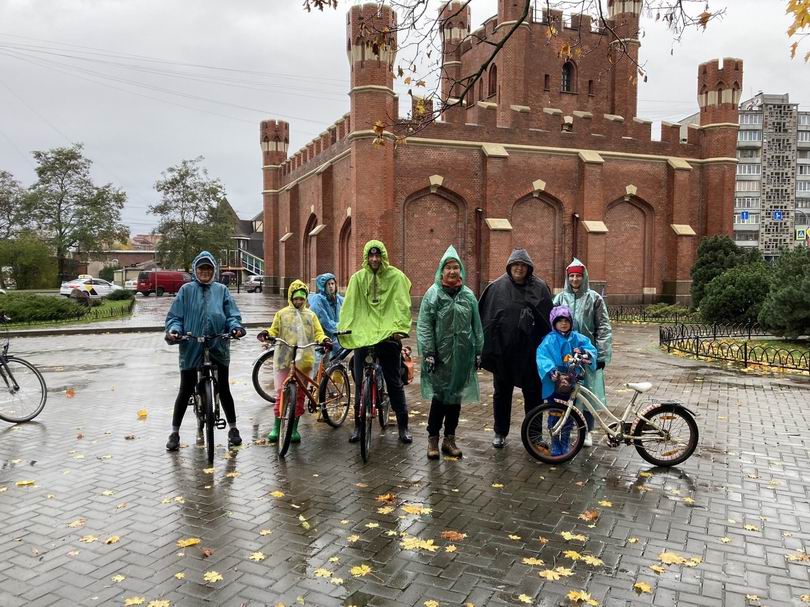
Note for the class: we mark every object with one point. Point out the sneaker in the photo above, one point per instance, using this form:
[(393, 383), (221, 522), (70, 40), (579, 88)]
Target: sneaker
[(499, 441), (588, 440), (234, 440), (173, 443)]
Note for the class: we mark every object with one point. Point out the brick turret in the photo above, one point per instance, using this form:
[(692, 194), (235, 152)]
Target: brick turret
[(274, 138), (719, 89), (454, 21), (371, 43), (625, 17), (511, 61)]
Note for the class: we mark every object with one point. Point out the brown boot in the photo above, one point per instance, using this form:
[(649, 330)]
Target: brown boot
[(433, 447), (449, 446)]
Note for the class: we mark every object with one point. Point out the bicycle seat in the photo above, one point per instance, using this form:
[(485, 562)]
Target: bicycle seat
[(640, 387)]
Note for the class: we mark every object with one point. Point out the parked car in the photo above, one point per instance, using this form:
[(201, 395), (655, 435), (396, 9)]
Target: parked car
[(94, 287), (160, 282), (254, 284), (131, 284)]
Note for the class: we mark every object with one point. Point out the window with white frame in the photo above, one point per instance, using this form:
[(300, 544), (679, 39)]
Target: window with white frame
[(803, 186), (749, 135), (746, 236), (804, 169), (803, 203), (748, 169), (748, 219), (748, 186), (752, 153), (803, 136), (804, 154), (750, 118), (746, 202), (804, 119)]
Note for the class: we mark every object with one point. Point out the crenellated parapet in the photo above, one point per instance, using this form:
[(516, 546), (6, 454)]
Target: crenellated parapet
[(319, 150), (274, 138), (719, 90)]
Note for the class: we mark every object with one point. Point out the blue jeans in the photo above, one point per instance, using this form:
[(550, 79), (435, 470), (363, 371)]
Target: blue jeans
[(560, 443)]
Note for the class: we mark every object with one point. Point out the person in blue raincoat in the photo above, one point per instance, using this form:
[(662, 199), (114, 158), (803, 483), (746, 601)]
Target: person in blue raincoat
[(551, 357), (326, 302), (203, 307), (450, 339), (591, 320)]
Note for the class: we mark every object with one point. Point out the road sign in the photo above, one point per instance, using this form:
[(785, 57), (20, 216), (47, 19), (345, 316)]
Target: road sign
[(744, 215), (777, 215)]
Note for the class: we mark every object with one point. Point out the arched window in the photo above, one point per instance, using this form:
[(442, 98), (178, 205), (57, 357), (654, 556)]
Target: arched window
[(493, 80), (569, 77)]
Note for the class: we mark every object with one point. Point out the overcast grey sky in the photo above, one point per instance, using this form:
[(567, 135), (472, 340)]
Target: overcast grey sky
[(75, 70)]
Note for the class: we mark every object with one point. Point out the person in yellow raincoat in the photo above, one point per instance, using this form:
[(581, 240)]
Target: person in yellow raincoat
[(295, 324)]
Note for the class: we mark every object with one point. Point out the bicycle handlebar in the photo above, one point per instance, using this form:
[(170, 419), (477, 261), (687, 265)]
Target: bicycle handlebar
[(288, 344), (203, 338)]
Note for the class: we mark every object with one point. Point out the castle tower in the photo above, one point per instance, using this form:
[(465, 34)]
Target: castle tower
[(274, 137), (625, 15), (511, 61), (455, 25), (371, 44), (719, 89)]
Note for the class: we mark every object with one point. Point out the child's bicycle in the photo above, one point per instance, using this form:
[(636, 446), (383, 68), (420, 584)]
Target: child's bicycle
[(330, 393), (22, 388), (663, 433), (205, 399)]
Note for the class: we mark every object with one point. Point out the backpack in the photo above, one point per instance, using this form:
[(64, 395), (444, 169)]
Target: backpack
[(406, 369)]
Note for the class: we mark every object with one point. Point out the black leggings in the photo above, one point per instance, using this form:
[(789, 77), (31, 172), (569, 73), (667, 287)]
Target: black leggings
[(441, 412), (188, 380), (388, 353)]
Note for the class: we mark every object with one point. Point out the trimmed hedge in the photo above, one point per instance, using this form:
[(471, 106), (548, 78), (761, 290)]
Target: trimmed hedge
[(120, 295), (25, 307)]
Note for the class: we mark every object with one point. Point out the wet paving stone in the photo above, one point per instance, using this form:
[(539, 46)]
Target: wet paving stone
[(101, 524)]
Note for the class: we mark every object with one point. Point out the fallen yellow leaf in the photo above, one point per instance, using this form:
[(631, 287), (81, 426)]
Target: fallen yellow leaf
[(416, 509), (142, 413), (212, 576), (606, 504), (453, 536), (372, 525), (450, 548), (276, 493), (671, 558), (257, 556), (805, 598), (632, 540), (533, 562), (265, 532), (352, 538), (572, 554), (79, 522), (580, 596), (725, 540), (386, 497), (113, 539), (159, 603), (322, 572), (191, 541), (134, 600), (750, 527), (658, 569), (497, 485), (118, 578), (180, 575), (360, 570), (592, 561), (385, 510), (88, 539), (590, 516), (26, 483), (642, 587), (514, 537), (414, 543), (209, 470), (574, 536), (334, 559), (525, 598), (431, 603), (564, 571), (549, 574)]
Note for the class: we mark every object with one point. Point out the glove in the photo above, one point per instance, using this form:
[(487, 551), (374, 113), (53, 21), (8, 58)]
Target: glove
[(238, 332), (327, 344), (477, 362), (600, 364), (172, 338), (555, 375), (263, 335), (430, 363)]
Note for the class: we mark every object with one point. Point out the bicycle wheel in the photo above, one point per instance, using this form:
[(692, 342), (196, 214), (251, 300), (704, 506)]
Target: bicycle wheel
[(208, 407), (366, 417), (384, 410), (285, 432), (669, 438), (22, 391), (335, 395), (546, 439), (264, 376)]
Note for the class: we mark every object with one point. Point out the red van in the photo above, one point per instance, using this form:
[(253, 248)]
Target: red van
[(160, 282)]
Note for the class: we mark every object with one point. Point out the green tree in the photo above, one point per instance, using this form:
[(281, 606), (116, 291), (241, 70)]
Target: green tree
[(786, 310), (69, 209), (108, 272), (737, 295), (715, 255), (13, 216), (193, 213), (30, 260)]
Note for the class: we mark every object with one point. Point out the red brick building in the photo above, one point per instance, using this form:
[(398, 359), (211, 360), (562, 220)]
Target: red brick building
[(543, 154)]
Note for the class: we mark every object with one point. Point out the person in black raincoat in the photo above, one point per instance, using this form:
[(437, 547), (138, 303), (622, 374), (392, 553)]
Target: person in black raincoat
[(514, 312)]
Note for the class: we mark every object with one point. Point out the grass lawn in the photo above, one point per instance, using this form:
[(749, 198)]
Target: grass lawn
[(108, 310), (800, 345)]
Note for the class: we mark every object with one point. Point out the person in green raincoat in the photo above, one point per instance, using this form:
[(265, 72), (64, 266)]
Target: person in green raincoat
[(591, 320), (377, 311), (450, 339)]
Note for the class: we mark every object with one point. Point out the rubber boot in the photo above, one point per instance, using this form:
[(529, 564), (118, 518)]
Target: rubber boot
[(272, 437), (296, 438), (402, 425), (433, 447), (449, 446)]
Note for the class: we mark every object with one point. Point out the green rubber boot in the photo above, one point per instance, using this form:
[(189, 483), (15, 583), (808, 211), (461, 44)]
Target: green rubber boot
[(296, 438), (272, 437)]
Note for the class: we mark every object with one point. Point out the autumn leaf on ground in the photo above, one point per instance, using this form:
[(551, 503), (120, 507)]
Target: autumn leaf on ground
[(689, 501), (257, 556), (450, 548), (645, 474), (592, 560), (725, 540), (276, 493), (352, 538), (671, 558), (180, 575), (191, 541), (361, 485), (304, 523), (564, 571), (142, 413), (414, 543), (70, 393), (453, 536), (360, 570), (265, 532), (79, 522), (572, 554), (26, 483), (525, 598), (321, 572), (533, 562), (752, 598), (693, 561), (606, 504), (632, 540), (497, 485), (118, 578), (431, 603), (113, 539), (574, 536), (386, 498), (416, 509), (514, 537), (543, 540), (580, 596), (134, 600), (805, 598), (88, 539), (372, 525), (591, 516), (385, 510), (212, 576), (549, 574), (159, 603), (334, 559), (800, 556), (233, 474), (209, 470), (642, 587), (750, 527), (108, 493), (658, 569)]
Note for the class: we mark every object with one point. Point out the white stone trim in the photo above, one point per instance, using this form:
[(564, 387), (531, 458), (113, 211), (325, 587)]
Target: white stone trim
[(498, 224)]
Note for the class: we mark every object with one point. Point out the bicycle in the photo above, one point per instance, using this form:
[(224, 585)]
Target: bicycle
[(332, 380), (332, 385), (23, 391), (664, 433), (205, 399), (373, 401)]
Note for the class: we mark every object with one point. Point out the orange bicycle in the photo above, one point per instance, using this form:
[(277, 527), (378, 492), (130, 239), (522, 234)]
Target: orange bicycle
[(329, 393)]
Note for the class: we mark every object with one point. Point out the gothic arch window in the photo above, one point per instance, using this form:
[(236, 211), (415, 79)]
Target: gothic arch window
[(493, 80), (569, 77)]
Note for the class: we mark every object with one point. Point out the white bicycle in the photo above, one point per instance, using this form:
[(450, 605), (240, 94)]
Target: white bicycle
[(664, 433)]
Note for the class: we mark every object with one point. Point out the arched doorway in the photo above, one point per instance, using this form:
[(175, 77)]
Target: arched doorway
[(309, 253), (537, 227), (628, 247), (432, 222), (345, 260)]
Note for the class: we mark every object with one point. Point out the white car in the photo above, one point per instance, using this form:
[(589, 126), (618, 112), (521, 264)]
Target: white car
[(95, 287), (131, 285)]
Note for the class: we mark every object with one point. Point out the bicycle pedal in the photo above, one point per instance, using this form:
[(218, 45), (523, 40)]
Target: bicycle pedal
[(220, 424)]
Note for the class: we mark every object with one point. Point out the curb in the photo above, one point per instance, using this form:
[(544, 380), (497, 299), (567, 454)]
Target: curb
[(90, 330)]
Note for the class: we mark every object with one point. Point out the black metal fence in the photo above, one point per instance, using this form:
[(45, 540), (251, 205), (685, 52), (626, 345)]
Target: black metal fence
[(717, 342), (647, 313)]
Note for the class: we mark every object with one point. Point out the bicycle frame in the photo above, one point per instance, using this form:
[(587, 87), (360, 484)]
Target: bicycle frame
[(304, 381)]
